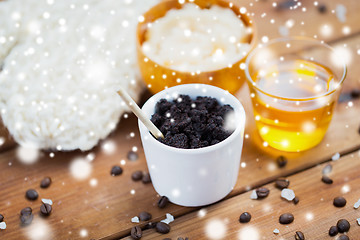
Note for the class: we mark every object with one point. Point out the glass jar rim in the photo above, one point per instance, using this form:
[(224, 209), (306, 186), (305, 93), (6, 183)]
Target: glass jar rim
[(290, 39)]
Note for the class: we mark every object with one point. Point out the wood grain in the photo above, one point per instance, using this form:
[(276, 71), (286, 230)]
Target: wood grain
[(314, 214), (105, 210)]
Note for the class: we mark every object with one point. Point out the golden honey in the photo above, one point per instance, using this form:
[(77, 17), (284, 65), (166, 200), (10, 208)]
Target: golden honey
[(294, 109)]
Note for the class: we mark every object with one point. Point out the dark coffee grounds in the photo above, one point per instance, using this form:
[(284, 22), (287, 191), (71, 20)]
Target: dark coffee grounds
[(188, 123)]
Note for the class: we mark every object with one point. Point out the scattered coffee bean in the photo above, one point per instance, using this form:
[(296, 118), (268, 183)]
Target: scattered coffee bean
[(162, 227), (137, 175), (322, 8), (150, 225), (245, 217), (163, 201), (296, 200), (343, 225), (26, 219), (45, 183), (180, 238), (299, 236), (333, 231), (281, 161), (343, 237), (262, 192), (45, 209), (145, 216), (355, 93), (339, 202), (132, 156), (286, 218), (282, 183), (167, 239), (1, 217), (25, 211), (116, 171), (136, 233), (285, 5), (26, 216), (31, 194), (326, 180), (146, 178)]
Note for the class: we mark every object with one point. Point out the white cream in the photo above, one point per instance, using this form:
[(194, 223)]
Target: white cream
[(193, 39)]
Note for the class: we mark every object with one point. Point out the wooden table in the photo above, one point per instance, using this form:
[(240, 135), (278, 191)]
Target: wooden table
[(101, 207)]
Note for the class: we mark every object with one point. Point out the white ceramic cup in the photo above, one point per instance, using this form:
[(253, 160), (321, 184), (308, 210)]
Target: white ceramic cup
[(194, 177)]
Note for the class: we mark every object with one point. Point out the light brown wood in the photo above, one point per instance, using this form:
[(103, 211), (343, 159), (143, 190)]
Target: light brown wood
[(6, 140), (314, 214), (105, 210)]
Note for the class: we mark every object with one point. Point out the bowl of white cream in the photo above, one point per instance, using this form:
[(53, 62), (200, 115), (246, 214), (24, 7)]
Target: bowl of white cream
[(181, 42)]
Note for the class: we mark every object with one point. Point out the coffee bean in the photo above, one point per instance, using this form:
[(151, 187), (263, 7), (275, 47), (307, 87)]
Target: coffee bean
[(322, 8), (333, 231), (162, 227), (45, 209), (281, 161), (296, 200), (163, 201), (31, 194), (26, 219), (167, 239), (343, 225), (286, 218), (116, 171), (45, 183), (245, 217), (262, 192), (150, 225), (1, 217), (145, 216), (343, 237), (136, 232), (355, 93), (326, 180), (299, 236), (137, 176), (132, 156), (26, 211), (146, 178), (282, 183), (180, 238), (339, 202)]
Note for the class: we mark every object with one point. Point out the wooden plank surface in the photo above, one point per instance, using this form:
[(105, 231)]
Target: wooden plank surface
[(105, 210), (314, 214)]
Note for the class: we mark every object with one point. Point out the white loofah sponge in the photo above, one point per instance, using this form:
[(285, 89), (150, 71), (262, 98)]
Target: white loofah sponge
[(62, 63)]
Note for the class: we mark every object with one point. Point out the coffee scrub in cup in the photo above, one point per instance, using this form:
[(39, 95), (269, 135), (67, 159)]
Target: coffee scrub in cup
[(197, 163)]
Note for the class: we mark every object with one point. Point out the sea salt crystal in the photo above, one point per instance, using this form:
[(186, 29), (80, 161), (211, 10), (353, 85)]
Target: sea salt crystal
[(335, 157), (276, 231), (135, 219), (358, 221), (327, 169), (357, 204), (341, 12), (288, 194), (169, 218), (2, 225), (48, 201), (253, 195)]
